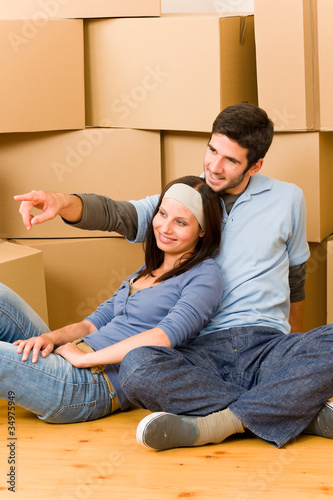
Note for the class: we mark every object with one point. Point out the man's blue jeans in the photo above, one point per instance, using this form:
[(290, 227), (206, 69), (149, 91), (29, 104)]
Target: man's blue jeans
[(274, 383), (52, 388)]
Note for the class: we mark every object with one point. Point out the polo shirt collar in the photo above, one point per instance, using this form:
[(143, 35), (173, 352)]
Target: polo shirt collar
[(258, 183)]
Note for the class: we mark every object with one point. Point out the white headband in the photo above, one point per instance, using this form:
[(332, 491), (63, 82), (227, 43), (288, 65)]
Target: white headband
[(189, 197)]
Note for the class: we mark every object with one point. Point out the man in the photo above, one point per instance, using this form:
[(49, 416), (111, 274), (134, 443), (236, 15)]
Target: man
[(243, 370)]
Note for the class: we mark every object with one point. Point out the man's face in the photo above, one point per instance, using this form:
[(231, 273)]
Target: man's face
[(225, 165)]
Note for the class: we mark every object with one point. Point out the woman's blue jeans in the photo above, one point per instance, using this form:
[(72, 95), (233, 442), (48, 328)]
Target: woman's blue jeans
[(51, 388), (274, 383)]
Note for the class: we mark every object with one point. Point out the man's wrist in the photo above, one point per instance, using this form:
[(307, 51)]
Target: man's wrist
[(72, 207)]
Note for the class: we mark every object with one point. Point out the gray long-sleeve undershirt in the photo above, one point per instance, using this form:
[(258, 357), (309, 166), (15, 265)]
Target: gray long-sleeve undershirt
[(101, 213)]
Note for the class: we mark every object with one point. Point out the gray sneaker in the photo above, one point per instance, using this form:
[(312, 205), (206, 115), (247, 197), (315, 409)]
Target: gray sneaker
[(161, 431), (322, 424)]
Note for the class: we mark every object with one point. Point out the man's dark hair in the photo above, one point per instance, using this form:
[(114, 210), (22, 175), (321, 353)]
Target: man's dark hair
[(249, 126)]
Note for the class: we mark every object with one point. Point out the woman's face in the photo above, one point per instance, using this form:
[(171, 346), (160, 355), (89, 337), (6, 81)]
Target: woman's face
[(176, 229)]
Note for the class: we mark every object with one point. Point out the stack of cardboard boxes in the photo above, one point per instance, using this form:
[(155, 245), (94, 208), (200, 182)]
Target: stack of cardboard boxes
[(97, 95), (114, 98), (295, 79), (45, 144)]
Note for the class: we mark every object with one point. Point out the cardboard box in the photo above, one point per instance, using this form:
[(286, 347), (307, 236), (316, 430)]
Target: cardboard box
[(285, 68), (42, 76), (175, 72), (330, 280), (37, 10), (294, 62), (306, 158), (182, 154), (22, 270), (325, 58), (80, 274), (315, 311), (122, 164)]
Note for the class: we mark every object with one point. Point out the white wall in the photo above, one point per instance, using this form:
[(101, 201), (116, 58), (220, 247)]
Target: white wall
[(207, 6)]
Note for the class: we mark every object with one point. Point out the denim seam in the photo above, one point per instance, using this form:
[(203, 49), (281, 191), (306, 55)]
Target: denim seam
[(135, 367), (14, 319), (293, 433), (35, 367)]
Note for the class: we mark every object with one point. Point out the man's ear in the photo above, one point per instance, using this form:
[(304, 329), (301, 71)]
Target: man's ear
[(256, 167)]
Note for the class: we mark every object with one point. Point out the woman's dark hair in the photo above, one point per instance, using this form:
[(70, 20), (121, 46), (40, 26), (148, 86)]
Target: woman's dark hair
[(207, 246), (249, 126)]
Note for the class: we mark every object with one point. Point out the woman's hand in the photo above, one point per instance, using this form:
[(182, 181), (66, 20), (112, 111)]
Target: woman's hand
[(73, 354), (43, 343)]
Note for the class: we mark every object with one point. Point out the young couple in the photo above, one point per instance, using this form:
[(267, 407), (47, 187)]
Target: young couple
[(71, 374), (250, 367)]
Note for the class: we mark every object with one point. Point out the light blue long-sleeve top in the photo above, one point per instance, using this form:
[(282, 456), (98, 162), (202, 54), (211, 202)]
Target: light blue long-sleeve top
[(181, 306)]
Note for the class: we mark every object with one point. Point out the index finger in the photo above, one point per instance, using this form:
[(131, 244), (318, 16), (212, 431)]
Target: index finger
[(35, 352), (32, 196), (24, 348)]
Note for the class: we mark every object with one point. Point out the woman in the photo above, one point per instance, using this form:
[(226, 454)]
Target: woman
[(165, 303)]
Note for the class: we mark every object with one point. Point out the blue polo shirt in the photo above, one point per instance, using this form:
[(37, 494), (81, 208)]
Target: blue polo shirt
[(263, 235)]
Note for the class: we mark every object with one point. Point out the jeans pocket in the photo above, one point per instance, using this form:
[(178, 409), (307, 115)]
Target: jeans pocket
[(79, 412)]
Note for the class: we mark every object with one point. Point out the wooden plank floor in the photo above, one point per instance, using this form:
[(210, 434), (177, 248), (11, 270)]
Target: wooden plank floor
[(101, 460)]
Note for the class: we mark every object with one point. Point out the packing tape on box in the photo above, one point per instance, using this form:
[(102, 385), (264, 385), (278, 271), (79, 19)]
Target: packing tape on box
[(242, 34)]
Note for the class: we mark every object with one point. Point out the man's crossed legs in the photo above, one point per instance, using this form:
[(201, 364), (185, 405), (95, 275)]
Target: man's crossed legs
[(273, 384)]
